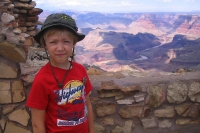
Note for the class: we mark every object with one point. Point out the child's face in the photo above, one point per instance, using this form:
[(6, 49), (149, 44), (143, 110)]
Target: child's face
[(59, 47)]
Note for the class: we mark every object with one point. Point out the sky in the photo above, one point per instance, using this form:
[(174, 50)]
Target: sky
[(117, 6)]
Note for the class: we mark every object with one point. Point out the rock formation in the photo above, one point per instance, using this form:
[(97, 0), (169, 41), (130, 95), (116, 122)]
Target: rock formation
[(190, 25)]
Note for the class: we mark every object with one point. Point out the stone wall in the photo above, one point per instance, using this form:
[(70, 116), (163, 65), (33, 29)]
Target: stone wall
[(18, 23), (168, 106)]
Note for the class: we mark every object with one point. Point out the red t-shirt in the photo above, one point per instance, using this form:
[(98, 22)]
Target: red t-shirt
[(66, 110)]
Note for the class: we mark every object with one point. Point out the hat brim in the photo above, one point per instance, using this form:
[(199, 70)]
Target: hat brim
[(39, 34)]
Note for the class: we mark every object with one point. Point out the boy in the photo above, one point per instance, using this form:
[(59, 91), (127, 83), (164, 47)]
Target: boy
[(59, 97)]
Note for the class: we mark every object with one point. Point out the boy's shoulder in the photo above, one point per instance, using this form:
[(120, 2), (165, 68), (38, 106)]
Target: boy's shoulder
[(77, 64), (44, 69)]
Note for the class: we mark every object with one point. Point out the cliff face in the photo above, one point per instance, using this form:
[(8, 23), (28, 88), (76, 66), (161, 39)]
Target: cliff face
[(142, 38), (146, 23), (167, 23), (143, 49), (190, 25), (103, 47), (154, 23)]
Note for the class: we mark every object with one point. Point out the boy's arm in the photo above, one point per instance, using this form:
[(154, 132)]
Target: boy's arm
[(90, 115), (38, 119)]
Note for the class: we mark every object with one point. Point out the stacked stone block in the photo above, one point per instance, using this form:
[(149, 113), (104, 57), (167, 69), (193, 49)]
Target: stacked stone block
[(18, 23), (27, 16), (147, 108), (19, 20)]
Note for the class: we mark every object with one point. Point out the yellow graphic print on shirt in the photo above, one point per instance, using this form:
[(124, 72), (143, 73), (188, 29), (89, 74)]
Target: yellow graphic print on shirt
[(70, 92)]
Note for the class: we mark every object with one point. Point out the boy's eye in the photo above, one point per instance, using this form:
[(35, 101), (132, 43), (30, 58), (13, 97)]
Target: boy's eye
[(53, 42), (66, 41)]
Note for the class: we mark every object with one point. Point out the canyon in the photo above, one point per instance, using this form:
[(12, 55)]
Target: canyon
[(147, 41)]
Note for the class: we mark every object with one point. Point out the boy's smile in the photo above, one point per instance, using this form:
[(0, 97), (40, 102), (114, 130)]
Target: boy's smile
[(59, 47)]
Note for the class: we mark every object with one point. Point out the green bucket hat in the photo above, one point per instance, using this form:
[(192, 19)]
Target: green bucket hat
[(59, 19)]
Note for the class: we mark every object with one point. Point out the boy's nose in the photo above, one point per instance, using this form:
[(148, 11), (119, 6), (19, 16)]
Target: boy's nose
[(60, 46)]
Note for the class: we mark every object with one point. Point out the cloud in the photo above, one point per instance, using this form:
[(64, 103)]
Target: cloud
[(71, 3), (119, 5), (98, 3), (59, 2), (190, 0), (124, 3), (167, 0), (111, 3), (39, 1)]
